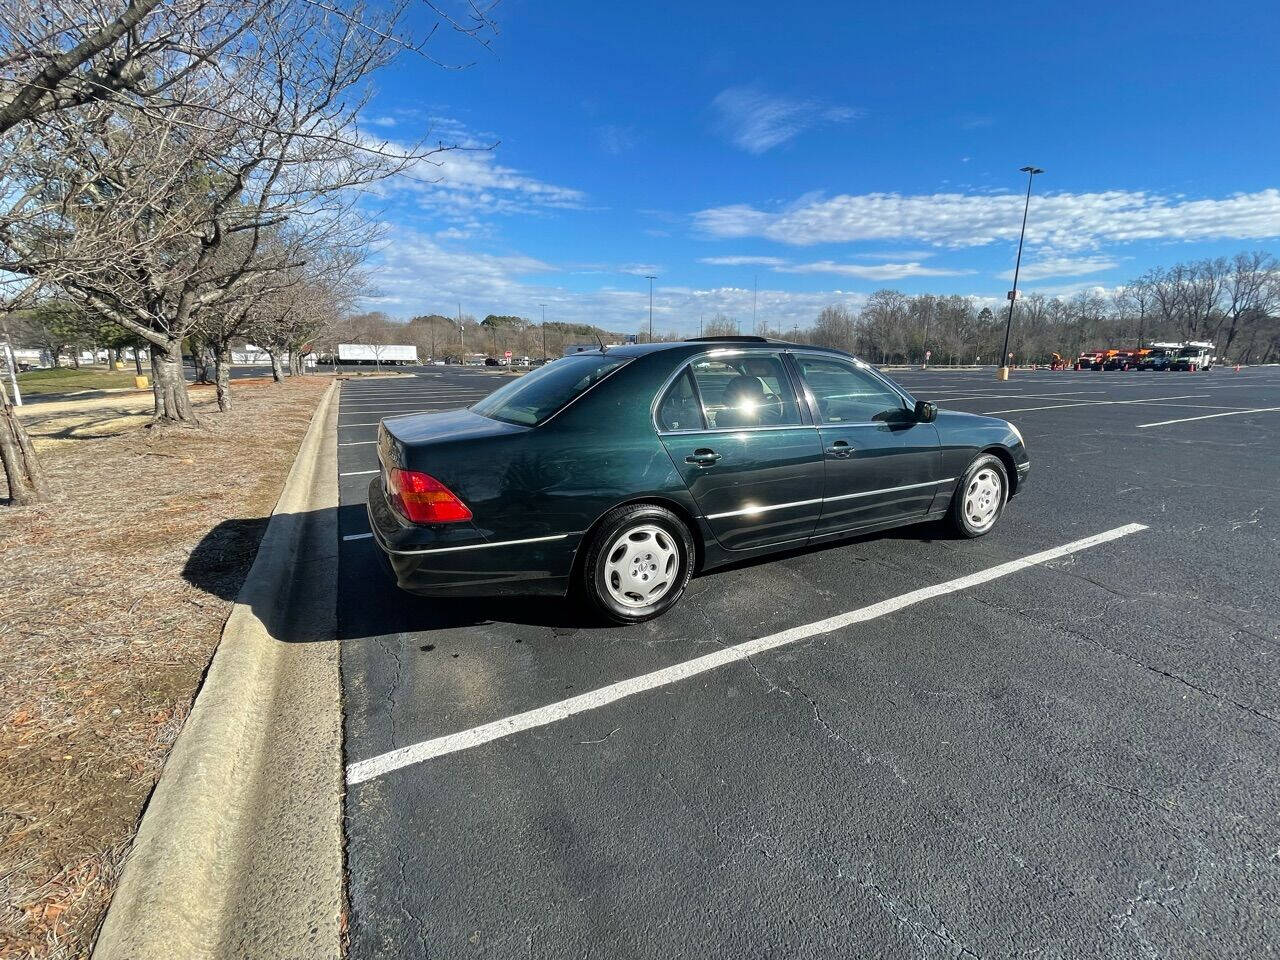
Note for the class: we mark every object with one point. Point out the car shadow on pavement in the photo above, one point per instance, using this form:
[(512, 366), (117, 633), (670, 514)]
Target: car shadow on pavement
[(369, 604)]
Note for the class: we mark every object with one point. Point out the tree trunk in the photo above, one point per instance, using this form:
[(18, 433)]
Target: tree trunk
[(27, 483), (277, 368), (222, 376), (173, 404), (200, 363), (137, 360), (75, 357)]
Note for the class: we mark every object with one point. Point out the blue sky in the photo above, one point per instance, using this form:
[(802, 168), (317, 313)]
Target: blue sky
[(822, 154)]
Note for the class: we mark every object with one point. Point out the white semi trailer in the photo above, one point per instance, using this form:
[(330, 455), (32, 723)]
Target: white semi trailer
[(375, 353)]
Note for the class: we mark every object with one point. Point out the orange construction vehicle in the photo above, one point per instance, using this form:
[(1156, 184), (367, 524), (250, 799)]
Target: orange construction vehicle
[(1091, 360)]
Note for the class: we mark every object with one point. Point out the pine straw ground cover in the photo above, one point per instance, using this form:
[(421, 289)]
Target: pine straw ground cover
[(114, 596)]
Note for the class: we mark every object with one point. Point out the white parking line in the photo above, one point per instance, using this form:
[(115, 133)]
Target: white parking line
[(415, 408), (363, 770), (972, 395), (356, 443), (357, 473), (374, 424), (357, 536), (1092, 403), (1210, 416)]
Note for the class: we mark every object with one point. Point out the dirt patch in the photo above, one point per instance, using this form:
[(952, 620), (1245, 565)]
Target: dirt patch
[(104, 633)]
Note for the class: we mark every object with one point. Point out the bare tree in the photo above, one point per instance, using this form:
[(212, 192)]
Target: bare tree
[(129, 207), (835, 327), (1251, 294)]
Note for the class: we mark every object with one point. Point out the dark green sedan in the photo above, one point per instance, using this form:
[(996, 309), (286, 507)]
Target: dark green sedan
[(620, 472)]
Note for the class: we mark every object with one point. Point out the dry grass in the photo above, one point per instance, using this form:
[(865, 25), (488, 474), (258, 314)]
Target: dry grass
[(115, 596)]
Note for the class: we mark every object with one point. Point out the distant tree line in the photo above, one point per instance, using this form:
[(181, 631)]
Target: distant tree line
[(1233, 303), (439, 337)]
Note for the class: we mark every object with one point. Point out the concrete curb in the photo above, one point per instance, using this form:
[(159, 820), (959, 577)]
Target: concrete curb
[(239, 851)]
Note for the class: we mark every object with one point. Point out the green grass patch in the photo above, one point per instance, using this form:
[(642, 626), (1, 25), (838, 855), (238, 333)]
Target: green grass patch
[(69, 380)]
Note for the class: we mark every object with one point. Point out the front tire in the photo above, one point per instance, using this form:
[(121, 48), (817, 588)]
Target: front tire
[(980, 497), (638, 563)]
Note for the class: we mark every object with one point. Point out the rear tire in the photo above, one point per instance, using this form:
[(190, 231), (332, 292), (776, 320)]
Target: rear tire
[(637, 564), (979, 500)]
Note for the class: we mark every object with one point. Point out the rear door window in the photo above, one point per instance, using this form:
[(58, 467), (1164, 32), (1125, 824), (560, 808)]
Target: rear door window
[(745, 391)]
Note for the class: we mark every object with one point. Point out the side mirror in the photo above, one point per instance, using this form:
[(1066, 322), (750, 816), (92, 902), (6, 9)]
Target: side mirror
[(926, 411)]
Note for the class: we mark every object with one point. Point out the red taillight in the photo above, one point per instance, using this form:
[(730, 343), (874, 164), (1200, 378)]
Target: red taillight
[(424, 499)]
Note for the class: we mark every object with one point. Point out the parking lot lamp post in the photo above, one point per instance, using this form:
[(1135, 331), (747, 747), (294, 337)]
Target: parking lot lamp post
[(544, 330), (1017, 265), (650, 278)]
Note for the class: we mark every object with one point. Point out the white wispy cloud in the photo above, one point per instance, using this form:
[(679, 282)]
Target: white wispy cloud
[(878, 271), (1060, 221), (743, 261), (864, 271), (415, 273), (617, 139), (467, 181), (1062, 267), (758, 121)]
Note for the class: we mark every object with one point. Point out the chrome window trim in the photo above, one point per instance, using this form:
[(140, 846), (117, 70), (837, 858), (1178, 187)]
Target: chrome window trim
[(844, 496), (787, 426)]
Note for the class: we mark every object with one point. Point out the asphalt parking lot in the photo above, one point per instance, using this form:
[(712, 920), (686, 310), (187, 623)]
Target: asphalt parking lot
[(1075, 758)]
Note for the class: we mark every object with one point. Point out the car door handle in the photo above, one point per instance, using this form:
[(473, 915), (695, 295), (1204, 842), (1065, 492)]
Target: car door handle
[(840, 448), (702, 457)]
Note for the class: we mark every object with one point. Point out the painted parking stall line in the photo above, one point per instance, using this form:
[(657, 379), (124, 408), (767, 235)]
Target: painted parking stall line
[(363, 770), (1096, 403), (1210, 416)]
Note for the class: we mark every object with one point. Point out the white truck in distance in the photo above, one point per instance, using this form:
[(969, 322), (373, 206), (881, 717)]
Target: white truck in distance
[(394, 354)]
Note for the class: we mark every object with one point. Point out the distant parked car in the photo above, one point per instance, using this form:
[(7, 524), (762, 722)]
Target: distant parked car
[(617, 472), (491, 362)]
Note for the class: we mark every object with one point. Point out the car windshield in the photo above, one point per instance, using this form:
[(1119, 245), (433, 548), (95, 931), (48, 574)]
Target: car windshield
[(537, 395)]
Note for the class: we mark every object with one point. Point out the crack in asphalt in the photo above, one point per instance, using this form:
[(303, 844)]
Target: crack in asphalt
[(1121, 654), (392, 654)]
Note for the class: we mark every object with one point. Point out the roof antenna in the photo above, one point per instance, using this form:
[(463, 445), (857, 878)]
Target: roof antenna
[(603, 348)]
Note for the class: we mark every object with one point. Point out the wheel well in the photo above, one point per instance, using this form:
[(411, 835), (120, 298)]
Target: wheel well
[(674, 506), (1009, 466)]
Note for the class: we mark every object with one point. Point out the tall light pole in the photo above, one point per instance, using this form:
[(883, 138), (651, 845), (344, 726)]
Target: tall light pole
[(755, 293), (1017, 265), (544, 330), (650, 278)]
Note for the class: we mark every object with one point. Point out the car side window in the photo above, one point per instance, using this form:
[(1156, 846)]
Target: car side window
[(745, 391), (679, 409), (847, 394)]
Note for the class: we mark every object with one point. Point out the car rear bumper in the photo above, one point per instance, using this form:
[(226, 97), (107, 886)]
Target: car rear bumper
[(483, 567)]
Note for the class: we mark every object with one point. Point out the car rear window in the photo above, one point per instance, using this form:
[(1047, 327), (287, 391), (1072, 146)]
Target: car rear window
[(536, 396)]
